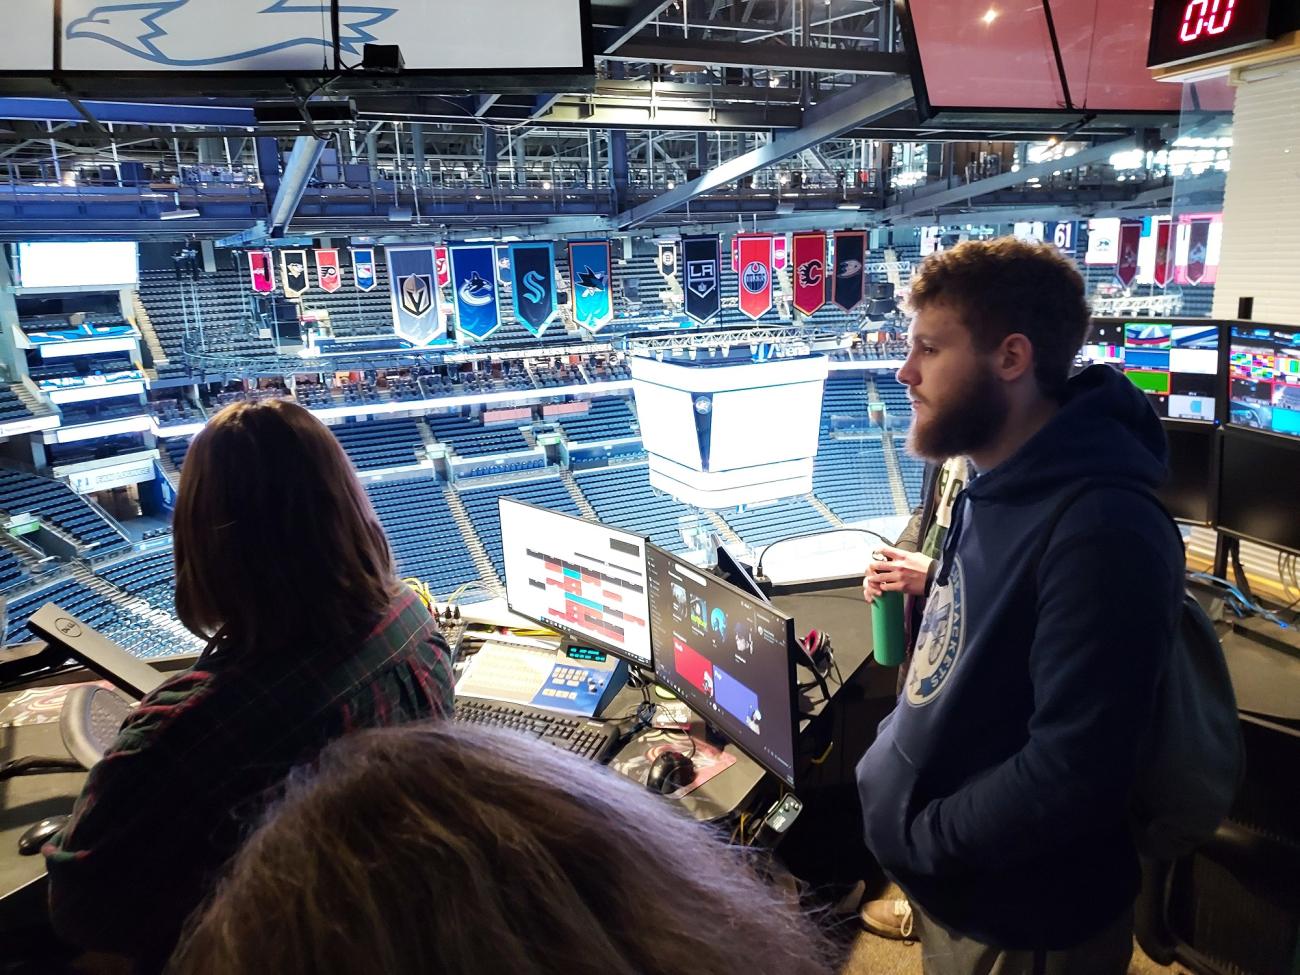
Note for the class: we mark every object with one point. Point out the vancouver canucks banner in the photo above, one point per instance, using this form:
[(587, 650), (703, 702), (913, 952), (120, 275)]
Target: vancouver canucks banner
[(754, 281), (850, 257), (473, 282), (293, 273), (363, 268), (701, 259), (809, 272), (593, 306), (411, 285), (532, 268), (262, 271), (667, 260), (327, 270)]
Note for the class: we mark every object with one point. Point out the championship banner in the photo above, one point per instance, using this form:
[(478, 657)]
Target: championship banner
[(261, 269), (293, 273), (701, 259), (414, 294), (809, 272), (754, 282), (1164, 253), (440, 263), (593, 306), (1126, 265), (327, 270), (667, 260), (1198, 249), (363, 268), (473, 270), (780, 247), (850, 255), (532, 269)]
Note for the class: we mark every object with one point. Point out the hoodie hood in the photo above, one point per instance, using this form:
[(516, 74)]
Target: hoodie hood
[(1105, 429)]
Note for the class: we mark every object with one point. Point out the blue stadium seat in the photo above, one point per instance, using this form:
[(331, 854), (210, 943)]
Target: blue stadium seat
[(481, 504), (426, 541)]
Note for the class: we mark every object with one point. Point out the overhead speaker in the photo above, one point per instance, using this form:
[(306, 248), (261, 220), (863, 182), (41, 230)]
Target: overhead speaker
[(382, 58)]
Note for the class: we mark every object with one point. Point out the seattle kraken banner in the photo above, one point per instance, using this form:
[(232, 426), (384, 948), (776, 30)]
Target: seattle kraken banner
[(414, 294), (363, 268), (593, 307), (532, 268), (702, 296), (473, 282), (293, 273)]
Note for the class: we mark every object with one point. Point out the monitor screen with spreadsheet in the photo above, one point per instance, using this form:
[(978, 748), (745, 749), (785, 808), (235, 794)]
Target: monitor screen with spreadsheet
[(584, 580)]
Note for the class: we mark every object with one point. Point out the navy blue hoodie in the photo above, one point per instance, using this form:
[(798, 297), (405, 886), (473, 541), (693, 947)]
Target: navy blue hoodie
[(995, 793)]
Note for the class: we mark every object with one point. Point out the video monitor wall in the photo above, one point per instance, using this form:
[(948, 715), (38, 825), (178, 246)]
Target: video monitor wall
[(727, 655), (1264, 379), (1175, 362)]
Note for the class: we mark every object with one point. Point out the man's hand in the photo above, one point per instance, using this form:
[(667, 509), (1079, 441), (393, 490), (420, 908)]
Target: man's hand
[(901, 571)]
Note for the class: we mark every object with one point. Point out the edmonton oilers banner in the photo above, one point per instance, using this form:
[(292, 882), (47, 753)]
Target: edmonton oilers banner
[(262, 270), (474, 285), (532, 289), (754, 280), (700, 259), (363, 268), (414, 294), (593, 306), (850, 257), (293, 273), (809, 272)]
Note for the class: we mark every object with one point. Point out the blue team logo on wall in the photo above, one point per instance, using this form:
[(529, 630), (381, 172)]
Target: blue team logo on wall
[(940, 641), (755, 277), (172, 33)]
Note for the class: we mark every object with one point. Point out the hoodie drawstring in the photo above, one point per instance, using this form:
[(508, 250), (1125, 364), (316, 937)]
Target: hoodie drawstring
[(950, 540)]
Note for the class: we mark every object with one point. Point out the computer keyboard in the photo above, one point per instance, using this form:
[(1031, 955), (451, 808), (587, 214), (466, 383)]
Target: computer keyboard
[(590, 739)]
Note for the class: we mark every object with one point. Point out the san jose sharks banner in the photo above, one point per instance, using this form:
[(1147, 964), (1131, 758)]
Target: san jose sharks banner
[(261, 269), (667, 260), (754, 280), (593, 306), (701, 259), (1126, 266), (327, 270), (414, 294), (440, 263), (473, 282), (293, 273), (532, 269), (809, 272), (850, 258), (363, 268)]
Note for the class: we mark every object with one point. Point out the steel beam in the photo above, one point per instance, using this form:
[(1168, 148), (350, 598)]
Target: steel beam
[(483, 103), (968, 192), (763, 55), (841, 113), (301, 164), (643, 13)]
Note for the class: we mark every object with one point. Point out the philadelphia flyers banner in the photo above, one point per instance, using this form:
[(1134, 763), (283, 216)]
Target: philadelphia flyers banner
[(327, 270), (809, 272), (754, 280)]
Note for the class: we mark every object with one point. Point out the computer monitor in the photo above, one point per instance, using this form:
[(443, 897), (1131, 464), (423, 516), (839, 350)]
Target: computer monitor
[(1257, 499), (1264, 378), (728, 655), (1175, 361), (1191, 484), (584, 580)]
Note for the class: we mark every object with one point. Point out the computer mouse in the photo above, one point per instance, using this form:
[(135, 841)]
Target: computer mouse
[(30, 843), (670, 772)]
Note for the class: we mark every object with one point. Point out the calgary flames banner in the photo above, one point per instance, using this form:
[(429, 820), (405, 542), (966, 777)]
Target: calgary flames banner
[(809, 272)]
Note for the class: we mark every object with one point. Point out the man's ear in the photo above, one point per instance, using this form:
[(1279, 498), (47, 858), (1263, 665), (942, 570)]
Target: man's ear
[(1014, 357)]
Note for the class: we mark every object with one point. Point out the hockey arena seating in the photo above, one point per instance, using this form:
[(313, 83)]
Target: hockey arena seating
[(377, 444), (426, 541), (11, 407), (470, 438), (481, 505), (764, 524), (56, 503), (622, 497), (607, 419)]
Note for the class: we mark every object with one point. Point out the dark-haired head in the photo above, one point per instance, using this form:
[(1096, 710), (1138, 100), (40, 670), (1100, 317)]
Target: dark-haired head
[(459, 850), (276, 544)]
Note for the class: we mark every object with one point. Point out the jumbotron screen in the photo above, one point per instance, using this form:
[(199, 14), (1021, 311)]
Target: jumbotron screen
[(1264, 379), (1175, 362)]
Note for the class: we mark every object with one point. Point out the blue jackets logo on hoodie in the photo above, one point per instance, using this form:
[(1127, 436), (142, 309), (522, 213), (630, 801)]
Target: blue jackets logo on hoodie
[(939, 642)]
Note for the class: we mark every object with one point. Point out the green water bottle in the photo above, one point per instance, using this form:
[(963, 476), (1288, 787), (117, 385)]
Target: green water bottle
[(887, 636)]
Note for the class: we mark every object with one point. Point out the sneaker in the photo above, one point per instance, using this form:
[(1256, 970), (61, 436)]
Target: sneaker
[(888, 918)]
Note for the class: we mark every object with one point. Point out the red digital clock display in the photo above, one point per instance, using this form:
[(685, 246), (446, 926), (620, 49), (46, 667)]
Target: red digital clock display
[(1188, 30)]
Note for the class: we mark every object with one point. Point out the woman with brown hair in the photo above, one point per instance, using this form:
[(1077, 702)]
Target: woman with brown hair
[(282, 566), (458, 850)]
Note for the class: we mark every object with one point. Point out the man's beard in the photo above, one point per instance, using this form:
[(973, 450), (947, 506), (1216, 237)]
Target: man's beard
[(965, 421)]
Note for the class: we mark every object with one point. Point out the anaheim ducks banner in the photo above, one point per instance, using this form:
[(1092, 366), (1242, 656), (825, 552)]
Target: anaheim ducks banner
[(850, 258), (413, 289)]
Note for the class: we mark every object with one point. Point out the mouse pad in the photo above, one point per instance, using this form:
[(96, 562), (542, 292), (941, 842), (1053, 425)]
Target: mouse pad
[(709, 760)]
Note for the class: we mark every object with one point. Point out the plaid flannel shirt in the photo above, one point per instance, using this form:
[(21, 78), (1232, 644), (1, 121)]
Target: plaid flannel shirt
[(196, 764)]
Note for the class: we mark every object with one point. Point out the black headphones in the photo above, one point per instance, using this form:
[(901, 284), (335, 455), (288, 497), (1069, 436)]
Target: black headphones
[(817, 647)]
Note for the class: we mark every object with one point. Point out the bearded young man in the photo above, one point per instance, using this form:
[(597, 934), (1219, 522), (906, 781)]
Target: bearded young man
[(996, 793)]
